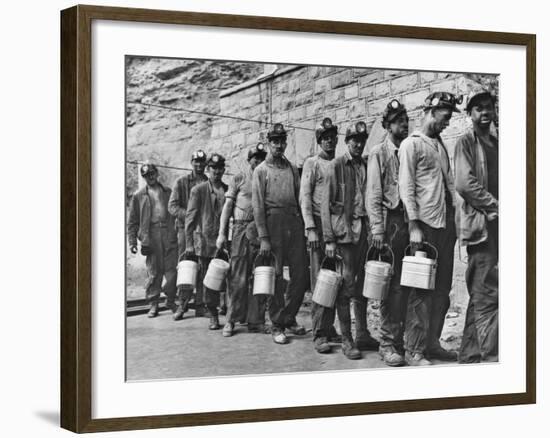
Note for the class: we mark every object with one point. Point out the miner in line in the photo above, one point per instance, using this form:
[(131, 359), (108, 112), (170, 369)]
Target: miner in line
[(426, 187), (177, 206), (345, 232), (275, 192), (242, 305), (202, 221), (151, 224), (388, 227), (476, 178), (312, 187)]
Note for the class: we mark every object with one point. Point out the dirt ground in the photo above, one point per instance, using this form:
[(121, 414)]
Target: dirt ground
[(161, 348)]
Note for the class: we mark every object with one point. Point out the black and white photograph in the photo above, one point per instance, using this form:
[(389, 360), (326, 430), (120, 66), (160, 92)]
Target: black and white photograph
[(307, 218)]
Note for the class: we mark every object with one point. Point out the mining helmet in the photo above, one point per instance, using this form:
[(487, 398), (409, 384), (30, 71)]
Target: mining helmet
[(147, 168), (257, 151), (358, 130), (326, 127), (443, 99), (216, 161), (476, 93), (392, 111), (276, 131), (198, 155)]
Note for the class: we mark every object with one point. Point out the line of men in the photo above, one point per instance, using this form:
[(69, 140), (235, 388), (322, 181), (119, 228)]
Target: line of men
[(404, 195)]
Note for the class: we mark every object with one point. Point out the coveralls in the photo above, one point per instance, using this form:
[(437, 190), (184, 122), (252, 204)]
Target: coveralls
[(242, 305), (275, 191), (427, 190), (202, 221), (476, 169), (386, 216), (149, 221), (312, 187)]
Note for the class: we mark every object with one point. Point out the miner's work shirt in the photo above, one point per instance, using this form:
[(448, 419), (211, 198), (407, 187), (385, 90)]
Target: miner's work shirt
[(312, 186), (424, 177), (275, 186), (240, 191), (158, 207), (382, 183)]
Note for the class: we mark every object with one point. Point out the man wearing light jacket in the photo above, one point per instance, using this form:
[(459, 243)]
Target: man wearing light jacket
[(476, 170), (426, 187), (387, 221)]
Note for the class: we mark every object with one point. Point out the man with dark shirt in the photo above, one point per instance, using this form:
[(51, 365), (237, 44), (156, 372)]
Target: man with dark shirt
[(177, 206), (149, 221), (476, 176), (202, 221)]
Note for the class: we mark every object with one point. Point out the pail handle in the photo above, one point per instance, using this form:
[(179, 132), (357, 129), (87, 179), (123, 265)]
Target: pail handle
[(425, 244), (222, 252), (338, 263), (271, 256), (193, 258), (385, 245)]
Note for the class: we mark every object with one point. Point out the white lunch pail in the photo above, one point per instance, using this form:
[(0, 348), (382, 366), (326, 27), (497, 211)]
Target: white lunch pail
[(419, 271), (218, 268), (378, 275), (328, 283), (264, 278)]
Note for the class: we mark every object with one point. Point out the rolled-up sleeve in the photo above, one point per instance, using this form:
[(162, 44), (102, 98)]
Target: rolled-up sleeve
[(375, 193), (307, 185), (467, 184), (407, 178), (258, 201)]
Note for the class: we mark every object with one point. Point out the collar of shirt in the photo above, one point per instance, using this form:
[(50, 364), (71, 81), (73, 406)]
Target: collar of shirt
[(433, 142), (272, 162), (391, 145)]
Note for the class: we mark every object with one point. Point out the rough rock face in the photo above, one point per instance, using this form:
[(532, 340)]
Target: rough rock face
[(166, 136)]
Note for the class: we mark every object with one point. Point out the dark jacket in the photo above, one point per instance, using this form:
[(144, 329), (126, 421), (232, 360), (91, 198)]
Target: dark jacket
[(338, 203), (474, 201), (202, 220), (139, 217), (177, 205)]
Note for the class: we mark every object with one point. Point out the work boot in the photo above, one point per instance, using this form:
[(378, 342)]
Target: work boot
[(214, 323), (223, 310), (391, 357), (349, 349), (228, 329), (365, 341), (333, 335), (321, 345), (153, 310), (171, 305), (279, 336), (416, 359), (256, 328), (178, 315), (297, 329), (438, 352), (199, 311)]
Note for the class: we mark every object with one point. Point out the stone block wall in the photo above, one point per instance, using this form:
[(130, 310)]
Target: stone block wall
[(301, 96)]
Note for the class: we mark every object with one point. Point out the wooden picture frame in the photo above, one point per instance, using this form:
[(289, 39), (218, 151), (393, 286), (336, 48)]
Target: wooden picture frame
[(76, 217)]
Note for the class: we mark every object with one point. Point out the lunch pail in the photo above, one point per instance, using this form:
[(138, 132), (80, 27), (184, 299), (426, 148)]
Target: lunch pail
[(188, 271), (419, 271), (328, 283), (378, 274), (264, 277), (217, 272)]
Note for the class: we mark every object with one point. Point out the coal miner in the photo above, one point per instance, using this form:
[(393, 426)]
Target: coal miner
[(345, 231), (476, 179), (312, 187), (177, 206), (387, 221), (275, 192), (242, 305), (202, 221), (426, 187), (151, 224)]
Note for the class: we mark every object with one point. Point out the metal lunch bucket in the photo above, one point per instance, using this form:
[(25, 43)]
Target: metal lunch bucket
[(218, 268), (264, 277), (378, 275), (188, 270), (328, 283), (419, 271)]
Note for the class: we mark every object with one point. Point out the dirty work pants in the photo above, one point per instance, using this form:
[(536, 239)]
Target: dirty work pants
[(242, 305), (351, 291), (393, 310), (162, 262), (322, 318), (480, 338), (185, 294), (426, 309), (286, 234), (211, 297)]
